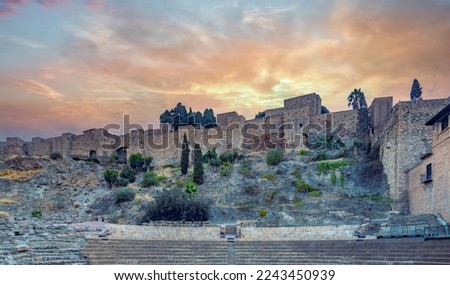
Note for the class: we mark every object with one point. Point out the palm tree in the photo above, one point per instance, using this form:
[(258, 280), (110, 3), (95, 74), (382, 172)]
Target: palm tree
[(356, 99)]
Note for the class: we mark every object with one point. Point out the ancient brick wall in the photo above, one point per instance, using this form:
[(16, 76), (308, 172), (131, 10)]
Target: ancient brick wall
[(401, 144)]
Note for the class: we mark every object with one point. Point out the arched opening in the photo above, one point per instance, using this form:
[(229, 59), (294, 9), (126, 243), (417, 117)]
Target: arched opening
[(121, 155), (93, 154)]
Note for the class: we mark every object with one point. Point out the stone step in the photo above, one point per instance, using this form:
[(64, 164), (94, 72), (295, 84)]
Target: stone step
[(405, 251)]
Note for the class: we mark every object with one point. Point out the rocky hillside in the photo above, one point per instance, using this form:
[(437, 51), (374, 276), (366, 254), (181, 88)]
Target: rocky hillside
[(306, 188)]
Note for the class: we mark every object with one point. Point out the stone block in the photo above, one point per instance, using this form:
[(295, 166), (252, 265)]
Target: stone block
[(21, 248)]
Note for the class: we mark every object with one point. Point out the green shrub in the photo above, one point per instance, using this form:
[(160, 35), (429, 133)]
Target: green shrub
[(210, 155), (274, 157), (36, 214), (326, 166), (373, 197), (136, 161), (388, 201), (191, 189), (124, 195), (302, 186), (225, 157), (215, 164), (175, 205), (269, 176), (128, 173), (122, 182), (140, 163), (150, 179), (169, 166), (299, 203), (315, 193), (225, 170), (56, 155), (244, 170), (304, 152), (262, 213), (110, 176), (342, 179), (327, 142), (114, 157), (333, 178), (161, 178)]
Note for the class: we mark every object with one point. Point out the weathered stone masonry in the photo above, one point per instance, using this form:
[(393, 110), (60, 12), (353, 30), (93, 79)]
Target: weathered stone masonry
[(402, 142), (163, 144)]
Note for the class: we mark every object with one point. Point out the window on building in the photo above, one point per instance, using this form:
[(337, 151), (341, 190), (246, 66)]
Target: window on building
[(444, 123), (429, 173)]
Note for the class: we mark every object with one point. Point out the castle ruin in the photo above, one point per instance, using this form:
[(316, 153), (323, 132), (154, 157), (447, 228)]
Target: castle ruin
[(399, 135)]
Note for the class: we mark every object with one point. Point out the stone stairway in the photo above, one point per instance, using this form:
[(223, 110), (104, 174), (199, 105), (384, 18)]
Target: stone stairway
[(41, 244), (121, 251), (384, 251)]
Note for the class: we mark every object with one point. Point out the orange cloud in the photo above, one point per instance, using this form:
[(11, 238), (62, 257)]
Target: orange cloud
[(38, 88), (248, 58)]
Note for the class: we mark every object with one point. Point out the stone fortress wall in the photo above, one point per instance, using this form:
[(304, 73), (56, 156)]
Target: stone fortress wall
[(398, 135), (164, 144), (401, 143)]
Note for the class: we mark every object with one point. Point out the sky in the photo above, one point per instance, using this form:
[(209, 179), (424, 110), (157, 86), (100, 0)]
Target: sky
[(72, 65)]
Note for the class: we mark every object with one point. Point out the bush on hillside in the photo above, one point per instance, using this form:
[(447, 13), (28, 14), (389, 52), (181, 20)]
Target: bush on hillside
[(274, 157), (175, 205), (124, 195), (150, 179), (111, 176), (56, 155), (128, 173)]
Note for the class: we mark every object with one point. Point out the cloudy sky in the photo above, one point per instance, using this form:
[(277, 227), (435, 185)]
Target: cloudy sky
[(70, 65)]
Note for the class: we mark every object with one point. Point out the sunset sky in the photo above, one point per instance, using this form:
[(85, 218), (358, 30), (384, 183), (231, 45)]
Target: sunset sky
[(71, 65)]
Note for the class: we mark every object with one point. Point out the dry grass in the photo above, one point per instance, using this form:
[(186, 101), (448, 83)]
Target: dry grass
[(18, 175), (4, 215), (6, 201), (144, 197)]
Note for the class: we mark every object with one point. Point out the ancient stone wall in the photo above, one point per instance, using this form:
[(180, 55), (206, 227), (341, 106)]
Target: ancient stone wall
[(402, 142), (380, 110), (2, 149), (312, 101), (38, 147), (14, 146), (347, 119), (225, 119), (432, 196)]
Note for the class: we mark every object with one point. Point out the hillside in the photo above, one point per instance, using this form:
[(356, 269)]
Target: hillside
[(307, 188)]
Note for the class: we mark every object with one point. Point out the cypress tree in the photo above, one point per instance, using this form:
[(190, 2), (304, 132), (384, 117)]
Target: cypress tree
[(185, 155), (416, 91), (198, 165)]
